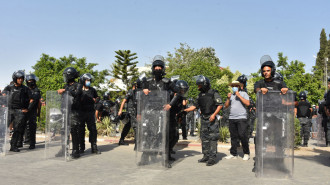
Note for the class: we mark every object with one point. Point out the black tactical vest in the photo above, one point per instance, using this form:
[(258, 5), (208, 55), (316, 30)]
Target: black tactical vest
[(303, 110), (206, 102)]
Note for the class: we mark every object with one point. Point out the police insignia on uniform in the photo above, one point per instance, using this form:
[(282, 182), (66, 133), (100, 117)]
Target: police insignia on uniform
[(218, 100)]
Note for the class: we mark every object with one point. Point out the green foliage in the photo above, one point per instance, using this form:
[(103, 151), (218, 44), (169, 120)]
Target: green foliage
[(49, 71), (124, 68), (41, 122), (188, 62), (297, 138), (105, 128), (224, 134)]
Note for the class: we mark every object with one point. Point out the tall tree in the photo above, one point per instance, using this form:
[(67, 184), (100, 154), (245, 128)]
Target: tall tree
[(124, 68), (188, 62), (319, 68), (49, 71)]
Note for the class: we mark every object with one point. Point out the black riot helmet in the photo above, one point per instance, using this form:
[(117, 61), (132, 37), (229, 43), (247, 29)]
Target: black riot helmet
[(204, 82), (69, 74), (267, 61), (86, 76), (302, 95), (278, 76), (181, 87), (158, 61), (242, 79), (31, 80), (18, 74), (106, 96)]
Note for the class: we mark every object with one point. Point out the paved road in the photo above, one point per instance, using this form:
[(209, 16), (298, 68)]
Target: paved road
[(116, 165)]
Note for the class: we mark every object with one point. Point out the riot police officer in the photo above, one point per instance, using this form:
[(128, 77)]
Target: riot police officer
[(19, 106), (32, 115), (131, 101), (210, 103), (243, 80), (88, 98), (190, 118), (74, 90), (304, 111), (103, 107), (268, 82), (176, 107), (324, 116), (156, 83)]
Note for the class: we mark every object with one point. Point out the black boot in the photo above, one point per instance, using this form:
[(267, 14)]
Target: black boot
[(204, 159), (13, 143), (210, 162), (14, 149), (75, 154), (170, 158), (32, 147), (94, 149), (122, 142)]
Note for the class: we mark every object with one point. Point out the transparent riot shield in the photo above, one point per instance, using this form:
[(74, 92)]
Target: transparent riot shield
[(275, 134), (152, 137), (4, 117), (57, 141), (320, 131)]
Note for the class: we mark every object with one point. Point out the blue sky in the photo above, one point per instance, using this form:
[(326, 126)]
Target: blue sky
[(239, 31)]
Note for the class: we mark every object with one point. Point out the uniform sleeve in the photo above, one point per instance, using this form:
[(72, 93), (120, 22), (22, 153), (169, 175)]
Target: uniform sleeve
[(196, 103), (256, 86), (95, 94), (217, 99), (98, 106)]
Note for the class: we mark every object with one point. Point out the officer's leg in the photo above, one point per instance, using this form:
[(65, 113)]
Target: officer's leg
[(124, 133), (83, 117), (18, 124), (213, 136), (184, 128), (328, 132), (205, 141), (75, 128), (91, 125), (32, 125)]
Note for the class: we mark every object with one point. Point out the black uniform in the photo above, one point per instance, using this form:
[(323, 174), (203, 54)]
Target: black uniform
[(303, 114), (209, 133), (190, 120), (272, 85), (32, 117), (176, 107), (324, 119), (327, 105), (132, 111), (75, 90), (19, 99), (88, 116), (103, 106), (162, 84)]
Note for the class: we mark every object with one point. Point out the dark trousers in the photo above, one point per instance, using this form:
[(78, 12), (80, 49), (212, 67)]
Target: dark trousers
[(173, 132), (31, 128), (75, 129), (238, 131), (87, 117), (209, 135), (19, 122)]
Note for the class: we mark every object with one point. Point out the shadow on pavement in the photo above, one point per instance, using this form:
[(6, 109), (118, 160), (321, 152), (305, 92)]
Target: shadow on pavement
[(323, 157), (101, 148)]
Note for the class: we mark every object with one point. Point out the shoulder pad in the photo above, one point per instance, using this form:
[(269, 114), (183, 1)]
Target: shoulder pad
[(166, 80)]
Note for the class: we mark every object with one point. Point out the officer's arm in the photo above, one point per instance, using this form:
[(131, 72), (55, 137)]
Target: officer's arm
[(121, 107), (97, 115), (217, 110), (191, 108)]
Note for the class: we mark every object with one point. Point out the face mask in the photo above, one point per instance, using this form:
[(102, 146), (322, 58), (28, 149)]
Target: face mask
[(88, 83), (234, 89)]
